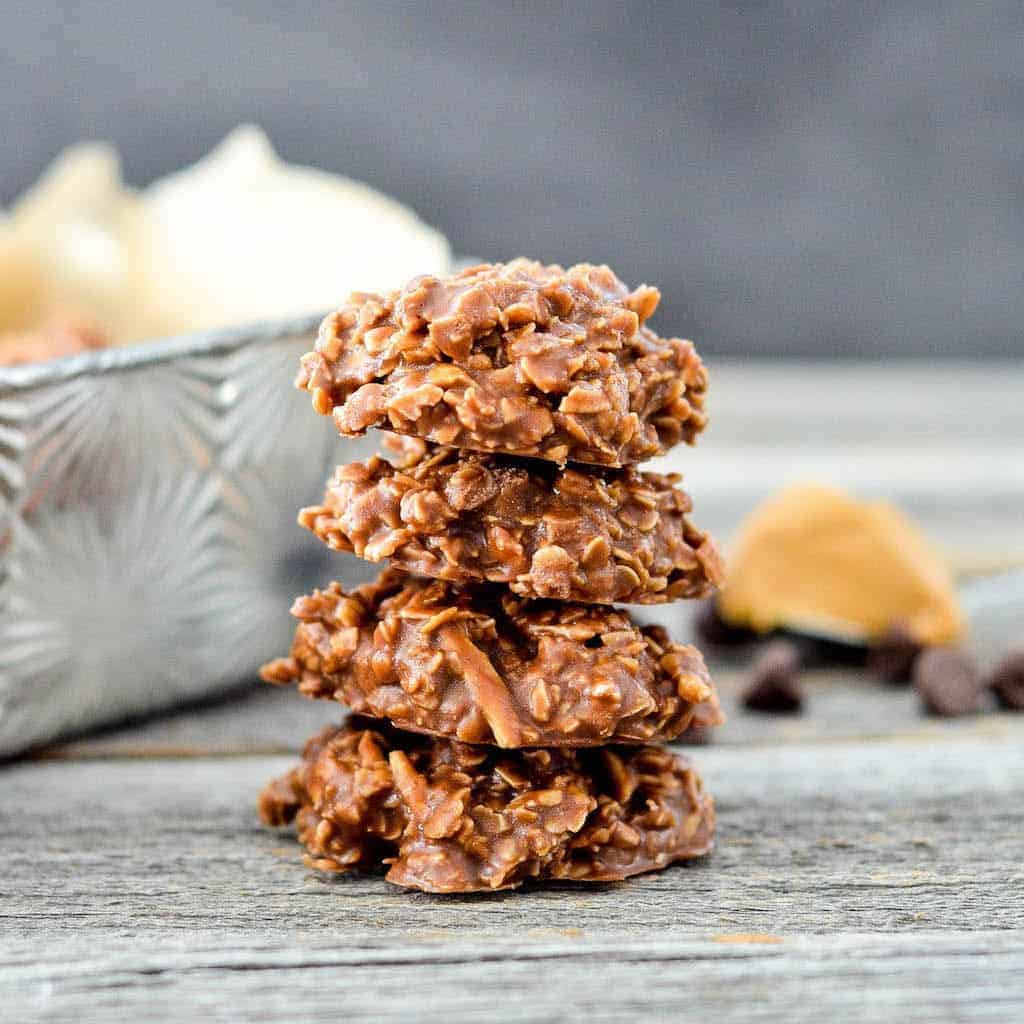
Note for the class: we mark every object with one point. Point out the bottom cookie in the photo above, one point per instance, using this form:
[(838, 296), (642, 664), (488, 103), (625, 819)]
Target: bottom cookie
[(448, 817)]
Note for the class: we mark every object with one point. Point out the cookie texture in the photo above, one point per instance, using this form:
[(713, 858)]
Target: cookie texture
[(483, 666), (576, 533), (516, 357), (447, 817)]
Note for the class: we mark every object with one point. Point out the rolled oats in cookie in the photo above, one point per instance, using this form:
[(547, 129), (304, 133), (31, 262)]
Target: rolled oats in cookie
[(577, 533), (519, 358), (447, 817), (481, 665)]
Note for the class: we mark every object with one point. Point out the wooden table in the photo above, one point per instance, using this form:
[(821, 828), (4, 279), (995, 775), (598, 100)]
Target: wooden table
[(870, 866), (870, 862)]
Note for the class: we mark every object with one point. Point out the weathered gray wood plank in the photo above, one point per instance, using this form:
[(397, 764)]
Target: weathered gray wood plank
[(921, 979), (892, 872)]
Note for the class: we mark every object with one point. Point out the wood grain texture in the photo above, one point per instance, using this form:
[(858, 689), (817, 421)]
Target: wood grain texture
[(891, 871), (911, 979)]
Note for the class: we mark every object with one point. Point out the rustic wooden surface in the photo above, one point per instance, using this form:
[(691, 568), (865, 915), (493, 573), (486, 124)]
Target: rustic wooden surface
[(870, 863), (870, 866)]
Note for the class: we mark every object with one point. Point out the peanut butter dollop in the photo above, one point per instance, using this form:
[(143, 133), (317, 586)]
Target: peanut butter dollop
[(814, 558)]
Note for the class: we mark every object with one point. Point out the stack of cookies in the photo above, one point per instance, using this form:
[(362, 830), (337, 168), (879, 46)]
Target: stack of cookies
[(505, 710)]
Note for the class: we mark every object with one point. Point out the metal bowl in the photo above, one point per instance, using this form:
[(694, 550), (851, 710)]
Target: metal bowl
[(148, 545)]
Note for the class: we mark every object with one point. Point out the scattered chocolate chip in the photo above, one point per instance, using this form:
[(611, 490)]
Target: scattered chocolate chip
[(948, 682), (891, 657), (773, 686), (714, 631), (1006, 680)]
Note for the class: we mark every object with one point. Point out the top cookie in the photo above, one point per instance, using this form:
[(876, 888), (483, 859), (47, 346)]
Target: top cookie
[(518, 358)]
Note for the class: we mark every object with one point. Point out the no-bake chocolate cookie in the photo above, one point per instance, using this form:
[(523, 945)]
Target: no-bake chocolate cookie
[(576, 533), (519, 358), (448, 817), (484, 666)]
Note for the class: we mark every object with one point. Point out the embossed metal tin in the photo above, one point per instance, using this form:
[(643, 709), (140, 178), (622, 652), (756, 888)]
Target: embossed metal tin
[(148, 544)]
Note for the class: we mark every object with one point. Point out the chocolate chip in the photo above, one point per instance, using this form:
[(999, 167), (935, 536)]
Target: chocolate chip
[(891, 656), (948, 682), (773, 686), (1006, 680), (714, 631)]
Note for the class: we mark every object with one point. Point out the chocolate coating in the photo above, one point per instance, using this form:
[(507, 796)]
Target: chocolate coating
[(519, 358), (483, 666), (571, 534), (448, 817)]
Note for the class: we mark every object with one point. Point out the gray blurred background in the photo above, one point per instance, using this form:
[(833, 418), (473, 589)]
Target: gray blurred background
[(802, 178)]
